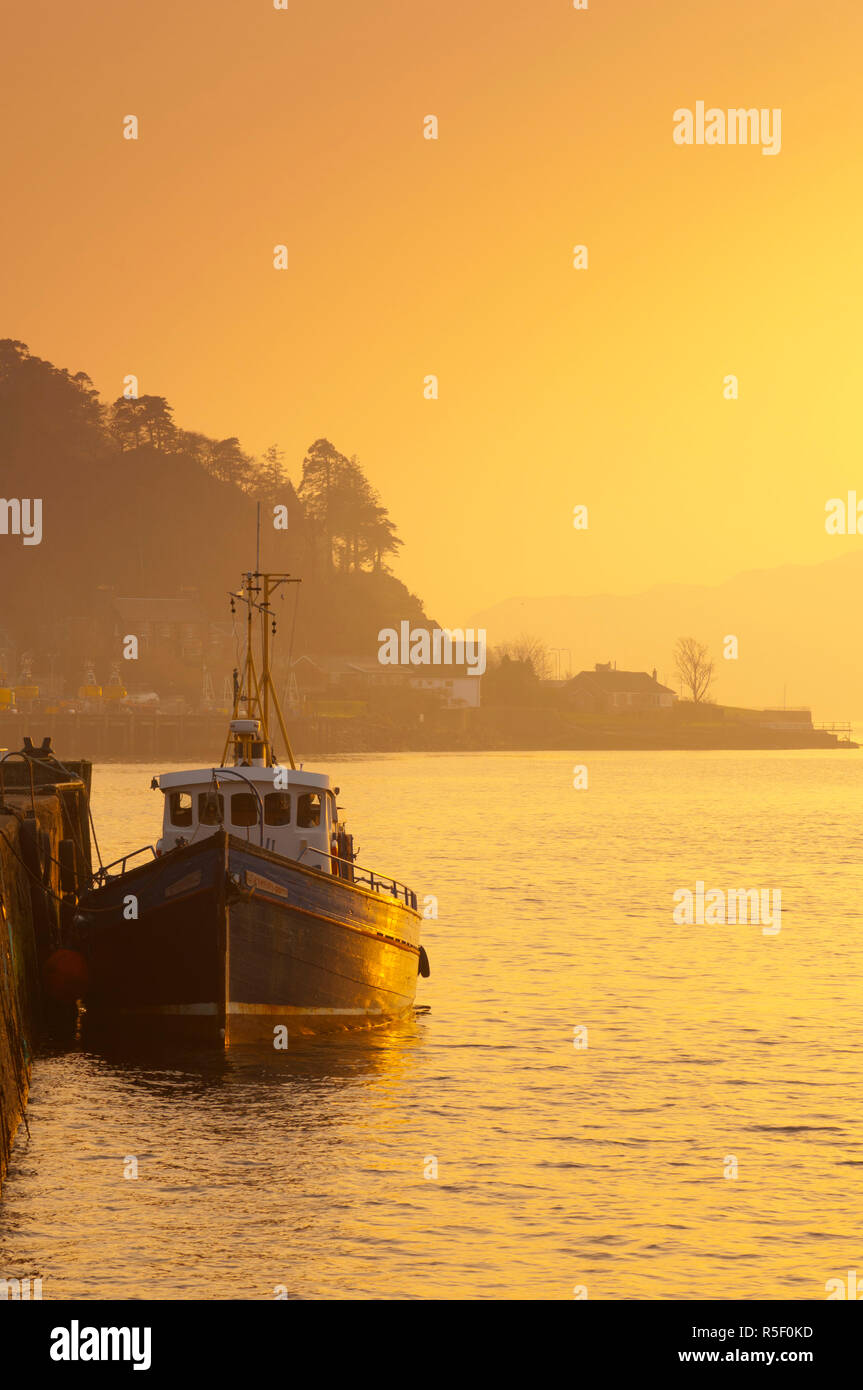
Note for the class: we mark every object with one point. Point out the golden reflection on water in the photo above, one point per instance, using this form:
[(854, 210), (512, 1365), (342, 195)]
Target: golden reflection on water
[(474, 1151)]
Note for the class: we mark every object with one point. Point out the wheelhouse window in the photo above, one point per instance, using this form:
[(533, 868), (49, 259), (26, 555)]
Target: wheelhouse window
[(211, 808), (244, 808), (308, 810), (277, 808), (180, 807)]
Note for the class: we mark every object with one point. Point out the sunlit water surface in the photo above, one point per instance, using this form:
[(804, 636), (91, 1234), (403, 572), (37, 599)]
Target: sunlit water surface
[(558, 1167)]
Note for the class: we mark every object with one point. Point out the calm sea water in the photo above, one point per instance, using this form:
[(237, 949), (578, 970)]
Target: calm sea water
[(557, 1167)]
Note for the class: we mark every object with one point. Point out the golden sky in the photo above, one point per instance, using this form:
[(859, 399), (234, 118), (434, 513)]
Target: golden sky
[(454, 257)]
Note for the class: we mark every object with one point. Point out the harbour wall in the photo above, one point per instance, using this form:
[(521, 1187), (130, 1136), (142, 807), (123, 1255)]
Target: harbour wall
[(39, 820)]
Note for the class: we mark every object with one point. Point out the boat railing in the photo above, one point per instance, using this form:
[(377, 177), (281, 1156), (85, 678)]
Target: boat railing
[(103, 874), (378, 883)]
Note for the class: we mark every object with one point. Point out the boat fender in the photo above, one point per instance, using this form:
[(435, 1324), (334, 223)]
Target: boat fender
[(334, 849), (65, 975), (423, 967)]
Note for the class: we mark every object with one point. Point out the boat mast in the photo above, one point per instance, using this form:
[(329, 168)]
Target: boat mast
[(272, 582), (265, 649), (250, 661), (256, 593)]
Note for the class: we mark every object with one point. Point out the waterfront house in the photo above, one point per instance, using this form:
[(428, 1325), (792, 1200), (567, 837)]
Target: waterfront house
[(606, 690)]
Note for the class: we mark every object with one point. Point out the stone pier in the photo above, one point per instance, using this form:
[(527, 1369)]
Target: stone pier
[(44, 865)]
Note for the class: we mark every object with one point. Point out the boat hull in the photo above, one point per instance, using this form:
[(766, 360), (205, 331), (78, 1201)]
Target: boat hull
[(233, 944)]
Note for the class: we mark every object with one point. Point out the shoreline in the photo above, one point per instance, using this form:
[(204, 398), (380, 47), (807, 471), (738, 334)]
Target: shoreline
[(200, 737)]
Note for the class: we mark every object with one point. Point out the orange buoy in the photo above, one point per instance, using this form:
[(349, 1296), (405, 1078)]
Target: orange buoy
[(65, 975)]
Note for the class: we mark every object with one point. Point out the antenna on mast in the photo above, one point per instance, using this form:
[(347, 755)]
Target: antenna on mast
[(256, 592)]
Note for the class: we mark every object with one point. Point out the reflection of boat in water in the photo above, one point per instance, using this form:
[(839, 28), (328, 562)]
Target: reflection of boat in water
[(252, 913), (367, 1057)]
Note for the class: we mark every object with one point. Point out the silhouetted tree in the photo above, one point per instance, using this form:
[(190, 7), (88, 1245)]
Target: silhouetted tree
[(230, 463), (383, 539), (510, 681), (527, 649), (143, 420), (341, 503), (695, 669), (322, 467)]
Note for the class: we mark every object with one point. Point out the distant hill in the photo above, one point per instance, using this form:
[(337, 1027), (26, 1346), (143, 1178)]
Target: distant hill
[(798, 630)]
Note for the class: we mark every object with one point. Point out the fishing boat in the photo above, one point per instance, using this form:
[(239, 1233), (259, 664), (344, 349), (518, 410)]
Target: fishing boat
[(250, 917)]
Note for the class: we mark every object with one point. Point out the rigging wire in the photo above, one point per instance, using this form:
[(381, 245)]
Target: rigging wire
[(293, 628)]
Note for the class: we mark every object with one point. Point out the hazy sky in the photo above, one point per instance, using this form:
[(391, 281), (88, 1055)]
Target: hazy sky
[(410, 256)]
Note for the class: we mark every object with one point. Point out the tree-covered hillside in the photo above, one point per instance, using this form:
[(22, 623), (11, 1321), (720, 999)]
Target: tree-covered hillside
[(136, 506)]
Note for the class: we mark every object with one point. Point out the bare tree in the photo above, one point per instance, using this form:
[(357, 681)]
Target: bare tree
[(529, 649), (693, 667)]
